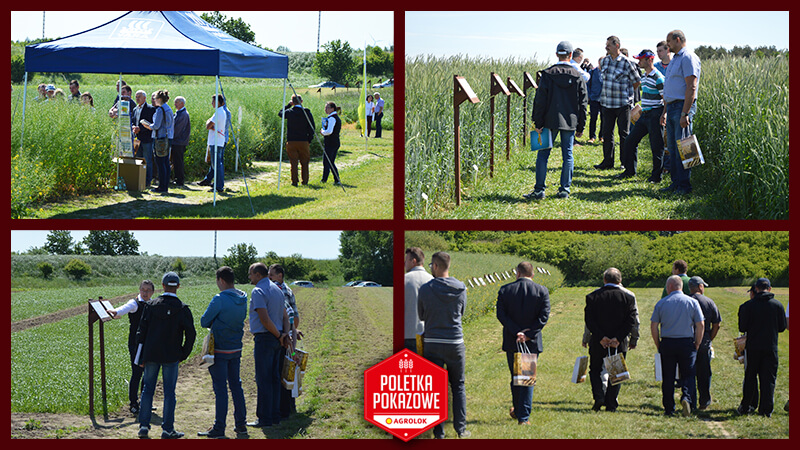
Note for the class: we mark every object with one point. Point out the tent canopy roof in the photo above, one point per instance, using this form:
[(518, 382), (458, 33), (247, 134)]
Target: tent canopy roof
[(156, 42)]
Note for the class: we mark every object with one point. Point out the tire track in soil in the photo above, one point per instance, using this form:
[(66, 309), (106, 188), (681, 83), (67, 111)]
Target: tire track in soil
[(31, 322)]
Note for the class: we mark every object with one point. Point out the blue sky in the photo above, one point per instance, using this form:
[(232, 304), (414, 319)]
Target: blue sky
[(525, 33), (310, 244), (296, 30)]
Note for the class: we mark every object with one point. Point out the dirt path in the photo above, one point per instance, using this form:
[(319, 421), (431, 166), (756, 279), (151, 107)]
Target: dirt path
[(31, 322)]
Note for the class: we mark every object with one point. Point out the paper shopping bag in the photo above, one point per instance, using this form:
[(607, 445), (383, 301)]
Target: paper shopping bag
[(292, 369), (207, 353), (525, 367), (580, 369), (420, 344), (616, 367), (738, 348), (658, 369), (636, 113), (689, 149)]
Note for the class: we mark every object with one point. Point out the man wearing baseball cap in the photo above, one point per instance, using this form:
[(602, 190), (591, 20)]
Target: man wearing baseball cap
[(559, 105), (712, 320), (650, 121), (165, 337), (762, 318)]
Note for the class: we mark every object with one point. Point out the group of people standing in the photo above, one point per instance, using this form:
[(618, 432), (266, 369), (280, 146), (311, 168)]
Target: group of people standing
[(301, 132), (668, 98), (683, 325), (48, 93), (160, 136), (162, 334)]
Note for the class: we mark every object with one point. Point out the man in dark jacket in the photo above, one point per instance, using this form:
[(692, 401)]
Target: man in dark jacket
[(165, 337), (523, 308), (183, 130), (440, 304), (299, 133), (610, 316), (762, 318), (559, 105), (143, 111)]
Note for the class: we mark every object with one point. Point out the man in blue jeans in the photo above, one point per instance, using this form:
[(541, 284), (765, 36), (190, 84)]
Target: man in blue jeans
[(165, 337), (268, 320), (682, 326), (225, 316), (523, 308), (559, 105), (440, 304), (217, 126), (680, 96)]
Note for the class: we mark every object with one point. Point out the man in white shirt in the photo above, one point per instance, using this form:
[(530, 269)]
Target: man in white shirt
[(215, 155), (416, 276)]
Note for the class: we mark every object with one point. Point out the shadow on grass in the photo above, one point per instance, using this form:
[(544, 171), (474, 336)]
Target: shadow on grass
[(228, 205), (293, 426)]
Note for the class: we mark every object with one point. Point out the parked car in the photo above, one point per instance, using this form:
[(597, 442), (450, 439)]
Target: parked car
[(387, 83), (353, 283), (302, 283), (367, 284), (328, 84)]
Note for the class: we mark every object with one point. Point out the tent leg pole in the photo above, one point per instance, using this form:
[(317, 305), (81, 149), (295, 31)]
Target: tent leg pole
[(216, 149), (280, 143), (24, 98)]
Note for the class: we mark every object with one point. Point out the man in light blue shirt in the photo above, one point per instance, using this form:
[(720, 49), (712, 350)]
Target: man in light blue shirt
[(682, 323), (577, 58), (680, 96), (268, 320)]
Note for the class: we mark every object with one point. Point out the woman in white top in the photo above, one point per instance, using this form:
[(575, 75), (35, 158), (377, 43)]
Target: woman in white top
[(370, 111)]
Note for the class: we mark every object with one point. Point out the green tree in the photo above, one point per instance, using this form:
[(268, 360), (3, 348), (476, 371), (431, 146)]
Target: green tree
[(336, 63), (45, 268), (59, 242), (367, 255), (237, 28), (379, 62), (77, 269), (111, 242), (179, 266), (17, 69), (239, 258)]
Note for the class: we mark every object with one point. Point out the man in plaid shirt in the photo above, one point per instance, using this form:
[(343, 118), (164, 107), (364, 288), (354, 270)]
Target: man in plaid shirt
[(620, 80)]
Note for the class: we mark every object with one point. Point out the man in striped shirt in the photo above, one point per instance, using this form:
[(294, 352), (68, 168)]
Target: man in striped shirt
[(620, 80), (650, 122)]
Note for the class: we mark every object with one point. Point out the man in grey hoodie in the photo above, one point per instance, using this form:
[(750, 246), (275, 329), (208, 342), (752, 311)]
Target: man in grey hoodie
[(440, 304), (225, 316)]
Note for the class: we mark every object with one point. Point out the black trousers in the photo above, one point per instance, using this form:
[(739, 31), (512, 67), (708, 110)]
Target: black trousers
[(135, 386), (603, 393), (622, 118), (329, 163), (760, 373), (177, 164), (595, 111)]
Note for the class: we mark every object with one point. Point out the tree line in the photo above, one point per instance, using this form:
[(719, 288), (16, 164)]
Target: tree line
[(644, 258), (708, 52)]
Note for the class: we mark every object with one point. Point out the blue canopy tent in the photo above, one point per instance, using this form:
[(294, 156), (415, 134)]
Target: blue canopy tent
[(157, 42)]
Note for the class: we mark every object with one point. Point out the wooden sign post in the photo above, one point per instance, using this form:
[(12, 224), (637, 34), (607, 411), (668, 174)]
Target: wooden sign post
[(496, 86), (98, 312), (514, 88), (527, 82), (461, 92)]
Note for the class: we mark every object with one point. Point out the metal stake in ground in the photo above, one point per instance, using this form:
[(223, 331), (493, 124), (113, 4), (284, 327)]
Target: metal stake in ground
[(496, 86), (527, 82), (514, 88), (461, 92)]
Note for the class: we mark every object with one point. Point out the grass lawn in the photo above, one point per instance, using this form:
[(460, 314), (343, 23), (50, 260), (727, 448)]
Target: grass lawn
[(366, 175), (563, 410), (594, 194)]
